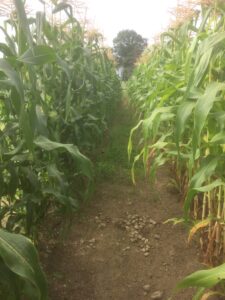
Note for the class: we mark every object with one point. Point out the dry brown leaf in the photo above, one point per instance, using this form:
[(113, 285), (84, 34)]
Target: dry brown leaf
[(196, 227), (209, 294)]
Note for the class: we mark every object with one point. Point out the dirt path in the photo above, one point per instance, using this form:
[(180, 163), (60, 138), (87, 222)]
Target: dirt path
[(119, 249)]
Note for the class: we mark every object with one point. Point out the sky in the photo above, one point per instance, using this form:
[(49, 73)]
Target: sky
[(147, 17)]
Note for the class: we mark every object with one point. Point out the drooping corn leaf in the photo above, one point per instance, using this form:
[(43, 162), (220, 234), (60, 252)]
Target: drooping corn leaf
[(20, 256), (13, 76), (83, 162)]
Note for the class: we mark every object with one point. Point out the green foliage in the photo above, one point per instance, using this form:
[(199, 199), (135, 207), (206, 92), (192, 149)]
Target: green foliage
[(204, 279), (21, 275), (127, 47), (113, 162), (57, 91), (179, 92)]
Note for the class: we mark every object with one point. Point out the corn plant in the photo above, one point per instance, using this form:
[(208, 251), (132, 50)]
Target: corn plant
[(179, 94), (57, 92)]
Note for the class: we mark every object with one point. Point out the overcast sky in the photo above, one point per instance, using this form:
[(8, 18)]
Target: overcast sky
[(146, 17)]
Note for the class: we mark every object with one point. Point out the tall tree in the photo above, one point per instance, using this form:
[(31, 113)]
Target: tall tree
[(127, 47)]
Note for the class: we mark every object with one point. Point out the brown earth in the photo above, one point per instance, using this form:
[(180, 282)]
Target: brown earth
[(119, 248), (100, 260)]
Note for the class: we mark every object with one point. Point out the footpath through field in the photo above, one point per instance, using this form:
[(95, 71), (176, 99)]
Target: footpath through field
[(119, 248)]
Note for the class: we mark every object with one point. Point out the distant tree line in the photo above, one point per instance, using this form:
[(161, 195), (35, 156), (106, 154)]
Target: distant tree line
[(127, 47)]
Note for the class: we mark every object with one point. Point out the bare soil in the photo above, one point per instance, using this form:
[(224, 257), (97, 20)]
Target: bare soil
[(119, 248), (100, 260)]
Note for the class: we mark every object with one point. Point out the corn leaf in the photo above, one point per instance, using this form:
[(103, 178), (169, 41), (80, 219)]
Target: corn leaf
[(38, 55), (183, 113), (13, 76), (202, 109), (204, 278), (20, 256), (83, 162), (206, 170)]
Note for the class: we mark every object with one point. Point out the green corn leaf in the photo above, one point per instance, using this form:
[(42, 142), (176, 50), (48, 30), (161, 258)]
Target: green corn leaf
[(198, 295), (9, 41), (64, 66), (219, 138), (202, 109), (172, 36), (183, 113), (83, 162), (6, 50), (38, 55), (41, 121), (205, 53), (209, 187), (195, 43), (13, 76), (20, 256), (130, 144), (204, 278), (56, 174), (206, 170), (62, 199), (136, 159), (202, 66), (151, 124)]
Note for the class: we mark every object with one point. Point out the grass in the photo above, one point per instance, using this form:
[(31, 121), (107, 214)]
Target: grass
[(112, 158), (112, 161)]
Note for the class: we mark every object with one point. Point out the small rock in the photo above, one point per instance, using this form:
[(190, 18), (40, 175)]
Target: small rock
[(152, 222), (125, 249), (102, 225), (157, 236), (172, 252), (146, 254), (133, 240), (146, 287), (157, 295)]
